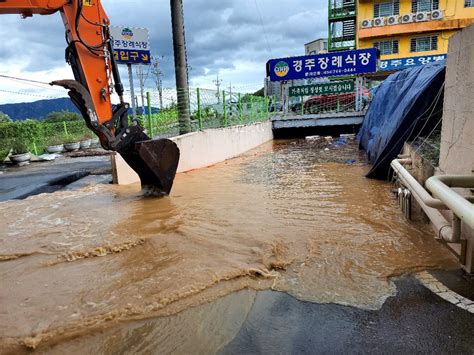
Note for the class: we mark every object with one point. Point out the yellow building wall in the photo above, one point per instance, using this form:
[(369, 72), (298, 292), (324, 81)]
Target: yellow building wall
[(404, 44), (453, 10)]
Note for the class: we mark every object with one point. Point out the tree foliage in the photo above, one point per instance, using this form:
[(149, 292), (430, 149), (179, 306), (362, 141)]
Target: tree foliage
[(62, 116), (260, 93), (4, 117)]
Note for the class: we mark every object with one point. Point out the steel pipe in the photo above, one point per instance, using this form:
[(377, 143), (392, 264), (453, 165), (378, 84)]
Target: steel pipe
[(415, 186), (441, 187), (449, 232), (407, 198)]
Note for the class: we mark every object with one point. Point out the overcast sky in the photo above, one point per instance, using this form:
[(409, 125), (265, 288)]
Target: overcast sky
[(223, 37)]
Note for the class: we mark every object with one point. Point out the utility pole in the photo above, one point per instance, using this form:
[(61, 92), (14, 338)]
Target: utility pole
[(181, 66), (156, 71), (132, 91), (141, 77), (218, 83)]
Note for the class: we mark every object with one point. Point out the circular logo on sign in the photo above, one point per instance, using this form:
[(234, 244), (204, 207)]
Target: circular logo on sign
[(127, 33), (281, 69)]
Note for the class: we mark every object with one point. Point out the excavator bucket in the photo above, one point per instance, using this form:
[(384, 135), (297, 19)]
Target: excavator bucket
[(155, 161)]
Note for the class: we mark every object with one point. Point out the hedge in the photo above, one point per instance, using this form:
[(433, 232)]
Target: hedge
[(36, 134)]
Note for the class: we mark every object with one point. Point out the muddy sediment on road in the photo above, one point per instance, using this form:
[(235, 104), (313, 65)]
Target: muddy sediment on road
[(292, 216)]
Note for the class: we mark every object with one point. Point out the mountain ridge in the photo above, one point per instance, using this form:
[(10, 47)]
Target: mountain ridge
[(37, 109)]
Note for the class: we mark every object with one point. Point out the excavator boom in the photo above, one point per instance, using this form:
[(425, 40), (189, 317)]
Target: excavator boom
[(89, 52)]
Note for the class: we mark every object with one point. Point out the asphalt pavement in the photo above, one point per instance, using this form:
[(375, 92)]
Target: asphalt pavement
[(415, 321), (40, 177)]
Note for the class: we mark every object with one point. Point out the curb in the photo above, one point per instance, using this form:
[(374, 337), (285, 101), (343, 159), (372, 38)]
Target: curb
[(435, 286)]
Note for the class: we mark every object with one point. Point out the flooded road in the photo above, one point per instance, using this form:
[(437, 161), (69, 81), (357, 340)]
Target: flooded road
[(279, 217)]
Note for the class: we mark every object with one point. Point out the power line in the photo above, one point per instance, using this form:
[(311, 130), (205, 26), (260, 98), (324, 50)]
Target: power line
[(41, 87), (263, 28), (29, 94), (429, 135), (23, 79), (31, 82)]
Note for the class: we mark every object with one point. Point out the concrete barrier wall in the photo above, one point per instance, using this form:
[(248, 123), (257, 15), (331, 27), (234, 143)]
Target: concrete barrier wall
[(205, 148), (457, 142)]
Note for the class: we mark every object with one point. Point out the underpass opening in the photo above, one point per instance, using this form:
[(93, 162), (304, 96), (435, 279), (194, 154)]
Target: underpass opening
[(288, 133)]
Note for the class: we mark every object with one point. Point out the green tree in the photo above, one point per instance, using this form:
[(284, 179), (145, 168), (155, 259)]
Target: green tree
[(247, 98), (260, 92), (62, 116), (4, 117)]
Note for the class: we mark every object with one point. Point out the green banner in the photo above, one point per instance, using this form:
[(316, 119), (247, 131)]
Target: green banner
[(323, 89)]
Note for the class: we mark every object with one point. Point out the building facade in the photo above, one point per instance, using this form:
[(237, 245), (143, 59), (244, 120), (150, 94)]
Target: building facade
[(410, 32), (318, 46), (342, 21)]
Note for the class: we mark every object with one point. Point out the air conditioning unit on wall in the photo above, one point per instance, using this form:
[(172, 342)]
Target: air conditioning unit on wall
[(422, 16), (407, 18), (393, 20), (379, 21), (367, 23), (437, 14)]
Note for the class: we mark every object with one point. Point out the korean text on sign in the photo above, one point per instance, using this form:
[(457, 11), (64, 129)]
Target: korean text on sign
[(324, 65), (132, 56), (322, 89), (131, 45), (403, 63)]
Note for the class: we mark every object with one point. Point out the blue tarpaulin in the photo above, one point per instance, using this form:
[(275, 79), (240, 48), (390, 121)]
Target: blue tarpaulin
[(403, 107)]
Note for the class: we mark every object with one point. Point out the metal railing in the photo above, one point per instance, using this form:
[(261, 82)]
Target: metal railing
[(303, 97), (342, 12), (208, 108)]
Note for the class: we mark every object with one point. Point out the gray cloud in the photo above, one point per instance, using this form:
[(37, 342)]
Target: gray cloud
[(220, 33)]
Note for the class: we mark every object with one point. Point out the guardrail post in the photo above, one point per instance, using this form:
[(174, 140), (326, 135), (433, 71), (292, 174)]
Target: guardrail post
[(224, 103), (267, 104), (148, 103), (65, 128), (251, 108), (302, 105), (198, 93), (240, 106)]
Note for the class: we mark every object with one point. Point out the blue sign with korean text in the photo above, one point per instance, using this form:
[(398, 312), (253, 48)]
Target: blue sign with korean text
[(323, 65), (131, 45), (404, 63), (125, 56)]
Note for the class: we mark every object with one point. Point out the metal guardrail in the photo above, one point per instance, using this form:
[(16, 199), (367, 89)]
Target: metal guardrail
[(306, 97)]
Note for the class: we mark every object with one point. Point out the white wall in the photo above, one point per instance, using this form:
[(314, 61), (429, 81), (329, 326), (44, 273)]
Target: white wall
[(205, 148)]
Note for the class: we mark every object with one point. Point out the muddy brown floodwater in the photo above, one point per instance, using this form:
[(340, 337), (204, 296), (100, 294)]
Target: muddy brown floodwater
[(80, 264)]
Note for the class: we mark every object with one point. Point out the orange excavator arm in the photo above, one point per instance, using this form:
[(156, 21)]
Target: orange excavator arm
[(89, 52)]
